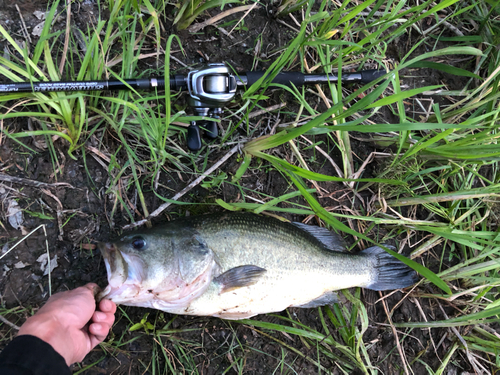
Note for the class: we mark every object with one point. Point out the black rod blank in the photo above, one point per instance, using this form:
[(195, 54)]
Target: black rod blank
[(179, 82), (51, 86)]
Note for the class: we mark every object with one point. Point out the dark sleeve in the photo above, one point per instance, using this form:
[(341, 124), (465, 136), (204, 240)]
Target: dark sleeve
[(29, 355)]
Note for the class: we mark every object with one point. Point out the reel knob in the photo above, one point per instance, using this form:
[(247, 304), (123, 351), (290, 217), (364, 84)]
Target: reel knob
[(211, 130), (193, 137)]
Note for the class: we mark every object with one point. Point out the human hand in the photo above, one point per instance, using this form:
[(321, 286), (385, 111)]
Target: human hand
[(70, 323)]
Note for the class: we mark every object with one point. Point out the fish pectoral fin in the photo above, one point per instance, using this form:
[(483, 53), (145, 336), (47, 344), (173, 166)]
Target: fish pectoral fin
[(329, 298), (239, 277)]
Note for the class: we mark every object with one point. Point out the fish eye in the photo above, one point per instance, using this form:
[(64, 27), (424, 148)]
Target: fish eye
[(138, 243)]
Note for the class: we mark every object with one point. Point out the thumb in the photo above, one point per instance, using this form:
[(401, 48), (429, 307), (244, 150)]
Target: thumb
[(94, 288)]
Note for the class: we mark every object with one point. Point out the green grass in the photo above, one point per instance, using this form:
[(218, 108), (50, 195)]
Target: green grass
[(436, 190), (188, 10)]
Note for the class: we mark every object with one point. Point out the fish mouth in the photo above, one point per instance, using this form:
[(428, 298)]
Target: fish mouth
[(116, 268)]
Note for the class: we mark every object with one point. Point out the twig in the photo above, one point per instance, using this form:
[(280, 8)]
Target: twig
[(415, 301), (395, 333), (2, 117), (427, 245), (442, 197), (287, 25), (441, 341), (58, 212), (12, 325), (294, 19), (48, 255), (199, 26), (25, 30), (99, 153), (242, 18), (302, 162), (446, 24), (455, 29), (180, 62), (160, 209), (223, 31), (48, 261), (266, 110), (66, 37), (118, 60), (21, 240), (472, 361), (32, 183)]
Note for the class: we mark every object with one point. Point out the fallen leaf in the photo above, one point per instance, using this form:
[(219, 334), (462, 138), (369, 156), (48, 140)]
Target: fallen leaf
[(37, 30), (20, 264), (43, 260), (5, 270), (40, 15), (5, 248), (15, 214)]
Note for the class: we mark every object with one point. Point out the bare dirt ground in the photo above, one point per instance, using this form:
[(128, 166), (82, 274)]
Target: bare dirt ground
[(77, 214)]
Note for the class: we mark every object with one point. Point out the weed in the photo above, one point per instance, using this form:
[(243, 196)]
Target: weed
[(188, 10)]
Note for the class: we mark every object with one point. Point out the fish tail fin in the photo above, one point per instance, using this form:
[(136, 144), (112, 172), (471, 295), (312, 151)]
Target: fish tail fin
[(390, 273)]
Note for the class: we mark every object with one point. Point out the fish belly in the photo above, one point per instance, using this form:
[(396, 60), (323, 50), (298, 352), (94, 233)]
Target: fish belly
[(273, 293)]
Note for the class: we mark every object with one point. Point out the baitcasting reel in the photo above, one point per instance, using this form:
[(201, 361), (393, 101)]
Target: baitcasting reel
[(209, 90)]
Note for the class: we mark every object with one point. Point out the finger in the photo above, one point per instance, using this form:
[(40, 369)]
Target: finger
[(98, 333), (87, 291), (104, 318), (107, 306), (93, 287)]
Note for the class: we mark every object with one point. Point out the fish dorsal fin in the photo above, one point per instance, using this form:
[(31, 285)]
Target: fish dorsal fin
[(238, 277), (332, 241)]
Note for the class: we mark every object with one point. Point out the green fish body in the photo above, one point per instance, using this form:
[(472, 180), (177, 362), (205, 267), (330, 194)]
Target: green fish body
[(237, 265)]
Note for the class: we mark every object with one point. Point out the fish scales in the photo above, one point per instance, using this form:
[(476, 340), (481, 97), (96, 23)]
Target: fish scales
[(298, 266), (236, 265), (258, 241)]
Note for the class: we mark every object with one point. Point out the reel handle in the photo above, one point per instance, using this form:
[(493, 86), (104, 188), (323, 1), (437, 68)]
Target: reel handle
[(210, 129), (193, 137)]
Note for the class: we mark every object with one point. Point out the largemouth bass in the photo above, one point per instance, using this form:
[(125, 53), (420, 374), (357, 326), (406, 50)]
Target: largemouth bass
[(237, 265)]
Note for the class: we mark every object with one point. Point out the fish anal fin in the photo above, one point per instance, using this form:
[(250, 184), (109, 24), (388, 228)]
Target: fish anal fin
[(239, 277), (332, 241), (327, 298)]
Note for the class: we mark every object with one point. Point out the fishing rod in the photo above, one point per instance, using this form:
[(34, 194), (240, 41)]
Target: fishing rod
[(210, 88)]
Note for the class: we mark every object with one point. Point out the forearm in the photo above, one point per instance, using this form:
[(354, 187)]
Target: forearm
[(47, 328), (61, 333), (29, 355)]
